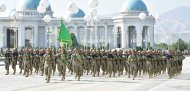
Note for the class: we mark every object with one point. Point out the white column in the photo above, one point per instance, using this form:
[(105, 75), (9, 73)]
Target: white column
[(127, 36), (4, 36), (123, 32), (35, 36), (115, 37), (75, 30), (21, 36), (151, 29), (96, 36), (139, 35), (105, 36), (46, 38), (1, 36)]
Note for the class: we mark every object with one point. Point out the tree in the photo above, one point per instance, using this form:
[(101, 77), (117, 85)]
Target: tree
[(179, 45), (162, 46)]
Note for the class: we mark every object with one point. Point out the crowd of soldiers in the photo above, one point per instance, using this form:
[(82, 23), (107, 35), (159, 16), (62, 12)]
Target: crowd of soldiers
[(94, 62)]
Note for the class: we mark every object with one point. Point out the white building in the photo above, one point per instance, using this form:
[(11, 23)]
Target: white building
[(125, 31)]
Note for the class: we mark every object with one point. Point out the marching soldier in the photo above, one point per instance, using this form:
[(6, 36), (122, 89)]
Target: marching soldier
[(7, 60), (87, 61), (110, 58), (139, 62), (62, 62), (77, 63), (70, 62), (48, 66), (42, 61), (27, 62), (133, 64), (14, 59), (114, 62), (94, 60), (20, 60), (36, 61), (104, 62)]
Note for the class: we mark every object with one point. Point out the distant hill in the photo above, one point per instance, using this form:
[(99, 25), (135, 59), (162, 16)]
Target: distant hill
[(174, 21)]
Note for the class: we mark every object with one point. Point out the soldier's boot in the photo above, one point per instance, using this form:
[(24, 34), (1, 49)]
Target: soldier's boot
[(119, 74), (31, 70), (103, 73), (93, 74), (7, 72), (79, 75), (87, 72), (47, 81), (79, 78), (98, 74), (63, 78), (27, 74), (110, 74), (20, 71), (114, 74), (14, 71), (24, 72)]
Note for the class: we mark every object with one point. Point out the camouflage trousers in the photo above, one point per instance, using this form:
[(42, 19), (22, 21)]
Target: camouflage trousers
[(133, 69), (62, 69), (27, 67), (7, 64), (109, 67), (48, 67), (78, 70), (21, 65)]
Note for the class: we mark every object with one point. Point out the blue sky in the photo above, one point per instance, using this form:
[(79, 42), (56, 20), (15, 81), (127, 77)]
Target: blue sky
[(105, 6)]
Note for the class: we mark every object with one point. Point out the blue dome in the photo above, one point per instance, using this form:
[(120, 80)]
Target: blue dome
[(80, 14), (29, 5), (134, 5)]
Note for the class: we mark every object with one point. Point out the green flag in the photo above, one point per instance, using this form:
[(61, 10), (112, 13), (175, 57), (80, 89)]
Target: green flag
[(64, 35)]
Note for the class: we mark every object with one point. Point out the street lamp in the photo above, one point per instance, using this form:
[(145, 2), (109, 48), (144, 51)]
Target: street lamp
[(14, 27), (47, 19), (92, 18)]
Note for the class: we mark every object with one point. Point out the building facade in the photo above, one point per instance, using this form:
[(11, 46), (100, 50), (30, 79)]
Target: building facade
[(25, 27)]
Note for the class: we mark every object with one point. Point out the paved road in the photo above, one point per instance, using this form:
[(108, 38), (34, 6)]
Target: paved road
[(88, 83)]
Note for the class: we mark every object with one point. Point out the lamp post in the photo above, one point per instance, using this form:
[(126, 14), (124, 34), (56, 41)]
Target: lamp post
[(14, 27), (92, 21), (47, 19)]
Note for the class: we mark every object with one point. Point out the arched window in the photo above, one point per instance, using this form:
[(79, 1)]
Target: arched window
[(118, 37), (29, 37), (132, 36)]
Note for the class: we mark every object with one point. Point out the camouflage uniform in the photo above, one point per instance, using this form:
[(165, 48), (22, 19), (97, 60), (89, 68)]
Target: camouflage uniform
[(94, 60), (62, 62), (77, 63), (27, 63), (48, 66), (7, 60), (42, 61), (110, 63), (103, 62), (87, 62), (20, 60), (133, 64), (14, 60)]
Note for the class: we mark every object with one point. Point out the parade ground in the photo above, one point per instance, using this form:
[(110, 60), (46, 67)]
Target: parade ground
[(88, 83)]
